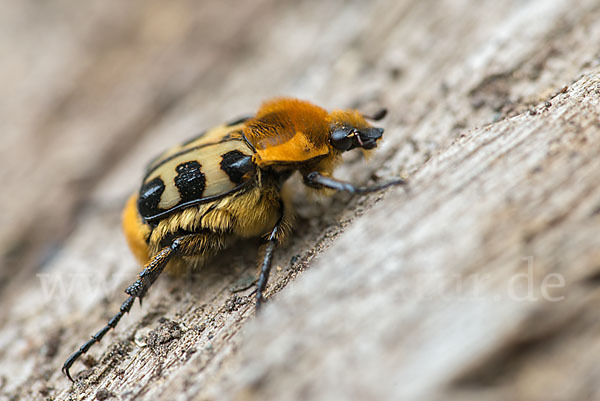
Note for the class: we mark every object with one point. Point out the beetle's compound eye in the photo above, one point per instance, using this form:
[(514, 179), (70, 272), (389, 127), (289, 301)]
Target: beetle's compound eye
[(341, 139)]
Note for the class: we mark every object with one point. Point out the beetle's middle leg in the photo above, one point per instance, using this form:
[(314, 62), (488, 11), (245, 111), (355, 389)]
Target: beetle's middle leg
[(265, 268)]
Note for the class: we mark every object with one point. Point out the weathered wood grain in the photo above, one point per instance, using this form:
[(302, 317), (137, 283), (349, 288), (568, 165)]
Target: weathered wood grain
[(494, 117)]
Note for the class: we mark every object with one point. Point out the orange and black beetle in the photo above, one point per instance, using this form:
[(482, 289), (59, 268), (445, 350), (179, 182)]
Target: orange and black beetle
[(226, 183)]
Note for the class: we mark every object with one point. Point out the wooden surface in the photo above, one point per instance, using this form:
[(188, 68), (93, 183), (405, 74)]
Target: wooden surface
[(480, 282)]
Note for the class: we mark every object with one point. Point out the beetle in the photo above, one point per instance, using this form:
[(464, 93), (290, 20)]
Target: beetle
[(227, 183)]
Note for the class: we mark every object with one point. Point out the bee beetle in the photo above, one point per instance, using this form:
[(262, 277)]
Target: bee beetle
[(226, 183)]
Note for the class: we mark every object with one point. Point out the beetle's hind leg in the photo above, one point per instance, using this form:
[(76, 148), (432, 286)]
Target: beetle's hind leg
[(112, 323), (151, 272), (137, 290)]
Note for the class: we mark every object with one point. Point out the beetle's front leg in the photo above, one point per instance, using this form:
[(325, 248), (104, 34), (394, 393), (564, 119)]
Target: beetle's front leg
[(318, 181)]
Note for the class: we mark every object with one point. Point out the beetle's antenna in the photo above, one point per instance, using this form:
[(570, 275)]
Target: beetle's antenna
[(379, 115)]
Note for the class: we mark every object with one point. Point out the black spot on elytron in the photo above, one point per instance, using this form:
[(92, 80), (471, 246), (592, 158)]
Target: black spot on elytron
[(190, 181), (149, 198), (236, 164)]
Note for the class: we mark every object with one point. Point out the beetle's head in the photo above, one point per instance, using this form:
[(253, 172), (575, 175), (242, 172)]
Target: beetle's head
[(347, 138), (349, 130)]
